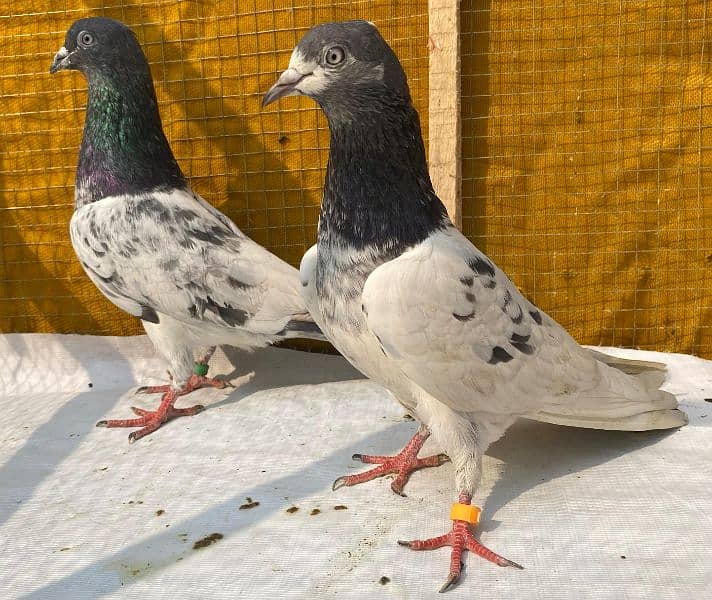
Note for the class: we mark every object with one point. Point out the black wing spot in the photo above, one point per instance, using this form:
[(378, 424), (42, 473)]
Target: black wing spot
[(481, 266), (490, 284), (470, 297), (237, 284), (499, 355), (467, 281), (536, 315), (232, 316), (148, 314), (523, 347), (186, 214), (211, 236), (464, 317), (521, 339), (152, 208), (235, 317)]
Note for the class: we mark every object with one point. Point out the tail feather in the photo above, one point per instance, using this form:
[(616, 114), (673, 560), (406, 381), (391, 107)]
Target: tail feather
[(302, 326), (627, 398), (628, 365)]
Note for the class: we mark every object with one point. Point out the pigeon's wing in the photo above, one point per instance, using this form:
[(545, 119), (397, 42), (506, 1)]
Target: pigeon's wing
[(170, 252), (460, 329)]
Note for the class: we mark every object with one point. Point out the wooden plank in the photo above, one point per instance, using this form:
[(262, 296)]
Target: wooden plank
[(444, 115)]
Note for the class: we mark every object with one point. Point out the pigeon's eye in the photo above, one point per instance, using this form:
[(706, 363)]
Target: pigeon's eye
[(335, 55), (85, 39)]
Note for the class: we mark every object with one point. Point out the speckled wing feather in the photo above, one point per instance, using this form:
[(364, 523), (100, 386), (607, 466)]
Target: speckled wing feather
[(461, 330), (171, 252)]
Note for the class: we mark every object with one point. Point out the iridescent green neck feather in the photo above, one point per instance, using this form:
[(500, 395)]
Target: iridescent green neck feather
[(124, 149)]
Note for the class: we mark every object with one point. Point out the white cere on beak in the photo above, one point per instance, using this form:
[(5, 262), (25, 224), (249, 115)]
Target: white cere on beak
[(314, 80), (298, 63), (58, 62)]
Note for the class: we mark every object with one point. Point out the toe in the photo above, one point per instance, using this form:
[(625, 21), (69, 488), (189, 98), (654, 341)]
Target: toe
[(338, 483), (450, 582)]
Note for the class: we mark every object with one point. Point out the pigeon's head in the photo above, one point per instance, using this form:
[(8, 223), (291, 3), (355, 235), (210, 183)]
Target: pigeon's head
[(100, 46), (347, 67)]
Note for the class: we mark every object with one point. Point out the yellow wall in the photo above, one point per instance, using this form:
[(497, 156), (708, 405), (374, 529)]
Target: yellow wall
[(587, 149), (594, 190), (211, 62)]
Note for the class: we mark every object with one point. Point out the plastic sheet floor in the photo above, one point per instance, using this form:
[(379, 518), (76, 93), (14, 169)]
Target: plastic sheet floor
[(83, 514)]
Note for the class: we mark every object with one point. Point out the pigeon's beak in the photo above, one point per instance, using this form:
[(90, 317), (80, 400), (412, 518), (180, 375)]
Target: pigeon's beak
[(286, 86), (61, 61)]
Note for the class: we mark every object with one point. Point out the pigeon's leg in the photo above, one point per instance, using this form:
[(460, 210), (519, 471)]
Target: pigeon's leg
[(460, 538), (197, 380), (402, 464)]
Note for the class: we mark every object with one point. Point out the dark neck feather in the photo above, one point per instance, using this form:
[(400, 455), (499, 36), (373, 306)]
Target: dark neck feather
[(124, 149), (377, 190)]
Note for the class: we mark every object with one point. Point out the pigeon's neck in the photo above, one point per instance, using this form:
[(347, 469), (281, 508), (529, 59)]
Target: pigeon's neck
[(124, 149), (377, 190)]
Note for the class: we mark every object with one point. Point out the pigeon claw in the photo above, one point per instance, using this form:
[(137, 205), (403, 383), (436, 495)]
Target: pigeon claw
[(450, 582), (339, 482)]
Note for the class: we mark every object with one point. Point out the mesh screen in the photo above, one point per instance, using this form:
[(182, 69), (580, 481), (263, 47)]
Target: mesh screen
[(587, 148), (211, 63)]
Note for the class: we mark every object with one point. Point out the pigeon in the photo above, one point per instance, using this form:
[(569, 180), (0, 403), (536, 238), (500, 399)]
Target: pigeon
[(154, 247), (415, 306)]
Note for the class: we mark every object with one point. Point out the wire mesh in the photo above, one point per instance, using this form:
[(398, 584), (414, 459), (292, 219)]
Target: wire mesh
[(587, 140), (584, 150), (211, 63)]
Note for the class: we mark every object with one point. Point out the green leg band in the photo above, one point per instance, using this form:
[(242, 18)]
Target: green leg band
[(200, 369)]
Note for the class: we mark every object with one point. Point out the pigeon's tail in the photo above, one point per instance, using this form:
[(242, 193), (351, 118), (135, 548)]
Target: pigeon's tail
[(302, 326), (627, 398)]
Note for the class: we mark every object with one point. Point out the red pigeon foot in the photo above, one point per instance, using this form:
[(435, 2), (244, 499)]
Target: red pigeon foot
[(460, 538), (149, 420), (402, 464)]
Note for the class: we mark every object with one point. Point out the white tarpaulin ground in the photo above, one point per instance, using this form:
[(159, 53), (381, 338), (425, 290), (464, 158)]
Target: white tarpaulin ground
[(83, 514)]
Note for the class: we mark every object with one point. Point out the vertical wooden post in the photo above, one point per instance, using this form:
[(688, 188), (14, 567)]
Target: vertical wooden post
[(444, 115)]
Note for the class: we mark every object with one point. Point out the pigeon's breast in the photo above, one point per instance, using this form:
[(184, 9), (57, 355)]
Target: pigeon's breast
[(339, 279)]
